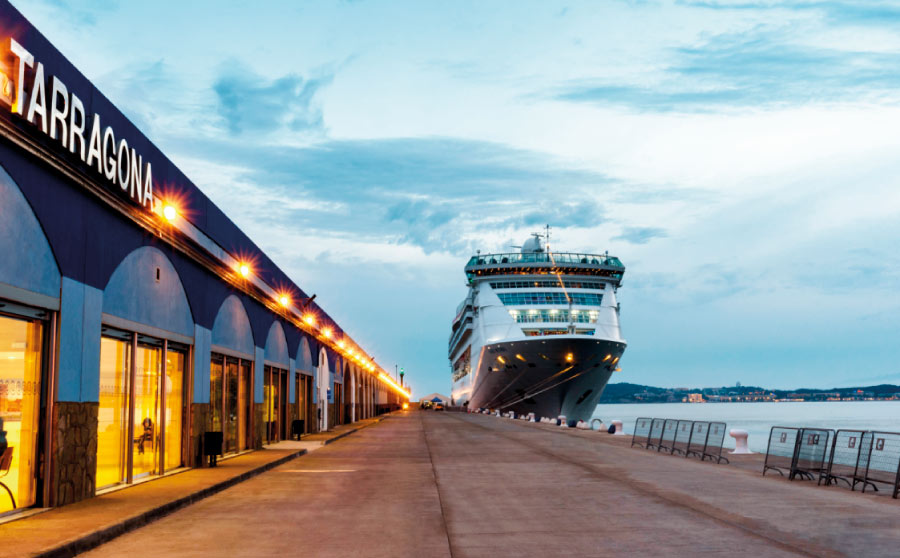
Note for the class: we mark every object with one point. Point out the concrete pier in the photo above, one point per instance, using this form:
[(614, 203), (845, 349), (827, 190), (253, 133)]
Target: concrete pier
[(449, 484)]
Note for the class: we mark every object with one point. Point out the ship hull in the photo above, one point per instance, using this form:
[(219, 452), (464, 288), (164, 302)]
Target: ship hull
[(563, 375)]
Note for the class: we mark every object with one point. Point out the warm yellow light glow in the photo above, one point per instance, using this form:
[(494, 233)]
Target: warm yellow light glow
[(169, 212), (244, 269), (327, 332), (615, 360), (350, 352), (387, 379), (570, 357), (285, 300), (309, 319), (340, 344), (405, 406), (501, 359), (607, 358), (520, 357)]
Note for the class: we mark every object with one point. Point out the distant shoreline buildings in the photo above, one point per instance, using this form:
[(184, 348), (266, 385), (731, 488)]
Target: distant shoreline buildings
[(634, 393)]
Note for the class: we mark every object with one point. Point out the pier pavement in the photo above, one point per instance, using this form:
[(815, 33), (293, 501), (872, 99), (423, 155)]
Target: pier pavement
[(448, 484)]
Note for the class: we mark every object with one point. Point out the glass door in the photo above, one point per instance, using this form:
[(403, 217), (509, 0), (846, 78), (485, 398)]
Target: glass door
[(176, 357), (21, 351), (112, 415), (147, 403), (232, 409), (245, 396)]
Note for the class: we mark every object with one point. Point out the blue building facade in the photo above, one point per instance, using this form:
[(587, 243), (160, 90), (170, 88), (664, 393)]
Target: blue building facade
[(134, 315)]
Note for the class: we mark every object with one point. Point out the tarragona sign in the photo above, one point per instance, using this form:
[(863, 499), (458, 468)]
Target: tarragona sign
[(46, 103)]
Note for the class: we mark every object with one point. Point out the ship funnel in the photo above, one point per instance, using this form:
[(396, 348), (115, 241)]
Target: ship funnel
[(533, 245)]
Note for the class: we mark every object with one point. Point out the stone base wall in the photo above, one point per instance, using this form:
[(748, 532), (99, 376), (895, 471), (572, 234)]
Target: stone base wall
[(199, 418), (259, 425), (74, 434)]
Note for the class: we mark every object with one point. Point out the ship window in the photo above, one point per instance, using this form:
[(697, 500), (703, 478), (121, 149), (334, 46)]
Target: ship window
[(544, 284), (554, 315), (557, 297)]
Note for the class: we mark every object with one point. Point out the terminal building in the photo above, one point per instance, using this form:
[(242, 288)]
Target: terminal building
[(134, 315)]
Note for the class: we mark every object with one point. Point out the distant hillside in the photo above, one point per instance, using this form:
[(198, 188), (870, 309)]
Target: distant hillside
[(637, 393)]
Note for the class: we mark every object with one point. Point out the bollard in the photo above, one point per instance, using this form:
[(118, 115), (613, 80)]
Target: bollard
[(740, 442), (582, 425), (619, 430), (563, 422)]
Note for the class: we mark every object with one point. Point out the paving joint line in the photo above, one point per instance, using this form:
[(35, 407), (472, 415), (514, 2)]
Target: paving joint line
[(437, 486)]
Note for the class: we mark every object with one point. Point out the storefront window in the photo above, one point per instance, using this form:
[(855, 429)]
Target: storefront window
[(139, 384), (216, 375), (20, 380), (229, 401)]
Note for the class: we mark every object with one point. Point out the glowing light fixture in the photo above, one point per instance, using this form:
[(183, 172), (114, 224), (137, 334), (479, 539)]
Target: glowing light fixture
[(244, 270), (169, 212), (327, 332), (387, 379), (405, 406), (607, 358), (309, 319), (340, 344), (570, 357), (350, 352), (284, 300), (501, 359), (520, 357)]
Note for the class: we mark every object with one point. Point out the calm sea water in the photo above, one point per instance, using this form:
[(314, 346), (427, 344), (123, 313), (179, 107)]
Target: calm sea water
[(758, 418)]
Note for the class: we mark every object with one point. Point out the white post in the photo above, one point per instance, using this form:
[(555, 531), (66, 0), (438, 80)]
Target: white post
[(619, 430)]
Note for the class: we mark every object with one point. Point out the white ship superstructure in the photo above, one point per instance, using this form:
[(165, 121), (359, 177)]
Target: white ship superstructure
[(537, 332)]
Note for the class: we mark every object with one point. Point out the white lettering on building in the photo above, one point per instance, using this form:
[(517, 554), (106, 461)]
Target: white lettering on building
[(60, 114)]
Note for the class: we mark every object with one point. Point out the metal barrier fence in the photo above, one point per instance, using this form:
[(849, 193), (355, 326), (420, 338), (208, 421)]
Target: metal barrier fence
[(855, 456), (697, 443), (811, 453), (656, 431), (668, 436), (641, 435), (781, 450), (683, 431), (715, 437), (843, 464), (883, 463), (681, 437)]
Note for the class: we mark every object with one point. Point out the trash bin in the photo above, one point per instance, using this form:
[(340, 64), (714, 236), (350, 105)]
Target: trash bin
[(212, 446)]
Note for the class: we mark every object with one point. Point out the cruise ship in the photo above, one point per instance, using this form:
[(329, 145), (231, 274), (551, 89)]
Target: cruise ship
[(538, 332)]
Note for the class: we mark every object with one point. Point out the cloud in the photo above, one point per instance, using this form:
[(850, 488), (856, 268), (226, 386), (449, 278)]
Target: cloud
[(759, 68), (435, 193), (82, 13), (640, 235), (870, 12), (248, 103)]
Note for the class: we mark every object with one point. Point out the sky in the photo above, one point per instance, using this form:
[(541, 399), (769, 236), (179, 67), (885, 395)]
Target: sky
[(740, 158)]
